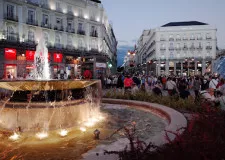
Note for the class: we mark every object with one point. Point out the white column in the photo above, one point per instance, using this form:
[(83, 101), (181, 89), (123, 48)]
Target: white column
[(182, 68), (188, 68), (196, 67), (175, 68), (167, 67), (20, 20), (203, 66), (158, 68), (212, 64)]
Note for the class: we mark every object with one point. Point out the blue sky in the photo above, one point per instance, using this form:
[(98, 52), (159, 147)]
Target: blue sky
[(131, 17)]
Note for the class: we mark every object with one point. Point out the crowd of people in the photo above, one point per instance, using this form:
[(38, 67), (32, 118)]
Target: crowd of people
[(210, 88)]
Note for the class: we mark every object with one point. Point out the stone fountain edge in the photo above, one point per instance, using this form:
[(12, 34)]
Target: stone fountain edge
[(176, 124)]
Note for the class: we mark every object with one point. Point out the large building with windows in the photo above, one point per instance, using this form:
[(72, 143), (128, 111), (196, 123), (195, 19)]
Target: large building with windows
[(177, 48), (77, 33)]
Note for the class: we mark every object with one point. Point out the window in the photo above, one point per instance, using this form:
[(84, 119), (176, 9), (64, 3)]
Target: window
[(69, 25), (46, 38), (80, 26), (59, 21), (185, 37), (178, 45), (10, 33), (10, 9), (208, 36), (178, 37), (162, 38), (57, 39), (69, 41), (45, 19), (94, 46), (199, 36), (69, 8), (80, 12), (30, 36), (208, 43), (31, 16), (58, 6), (80, 44), (192, 37)]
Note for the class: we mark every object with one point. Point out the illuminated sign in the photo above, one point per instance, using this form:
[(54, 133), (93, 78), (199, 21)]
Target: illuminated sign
[(10, 54)]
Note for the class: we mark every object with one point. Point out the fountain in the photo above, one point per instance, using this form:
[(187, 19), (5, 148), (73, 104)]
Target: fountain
[(62, 119)]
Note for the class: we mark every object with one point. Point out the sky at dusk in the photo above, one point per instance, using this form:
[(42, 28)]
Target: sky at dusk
[(131, 17)]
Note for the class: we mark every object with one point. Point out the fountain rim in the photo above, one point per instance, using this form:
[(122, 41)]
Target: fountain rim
[(28, 85), (177, 123)]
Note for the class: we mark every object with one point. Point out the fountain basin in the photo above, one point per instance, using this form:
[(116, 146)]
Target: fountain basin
[(176, 123), (48, 105)]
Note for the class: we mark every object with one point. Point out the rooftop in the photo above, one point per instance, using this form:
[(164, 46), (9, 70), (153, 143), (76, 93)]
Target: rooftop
[(97, 1), (187, 23)]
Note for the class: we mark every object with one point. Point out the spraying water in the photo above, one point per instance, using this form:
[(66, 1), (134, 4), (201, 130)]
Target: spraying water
[(42, 70)]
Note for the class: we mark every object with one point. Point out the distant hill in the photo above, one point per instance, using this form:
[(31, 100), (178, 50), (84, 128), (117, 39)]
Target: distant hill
[(121, 52)]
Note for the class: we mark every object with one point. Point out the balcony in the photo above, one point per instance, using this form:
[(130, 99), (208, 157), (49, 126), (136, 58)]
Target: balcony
[(185, 48), (94, 34), (178, 49), (46, 25), (162, 39), (192, 48), (11, 17), (178, 39), (208, 47), (185, 39), (12, 37), (208, 38), (171, 48), (46, 6), (192, 38), (199, 38), (199, 48), (162, 49), (171, 39), (59, 10), (81, 32), (33, 2), (70, 47), (59, 28), (58, 46), (32, 22), (70, 30)]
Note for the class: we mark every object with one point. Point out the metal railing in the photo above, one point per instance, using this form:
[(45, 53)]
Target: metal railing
[(94, 34), (11, 17), (70, 30), (32, 22), (59, 28), (81, 32), (44, 25)]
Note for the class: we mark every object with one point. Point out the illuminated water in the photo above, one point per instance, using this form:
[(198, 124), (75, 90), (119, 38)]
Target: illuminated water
[(77, 142)]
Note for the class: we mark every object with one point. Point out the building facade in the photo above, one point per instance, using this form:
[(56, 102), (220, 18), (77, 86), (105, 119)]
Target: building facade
[(77, 33), (178, 48)]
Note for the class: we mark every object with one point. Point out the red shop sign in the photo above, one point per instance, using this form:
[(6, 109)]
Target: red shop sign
[(10, 54), (30, 55), (58, 57)]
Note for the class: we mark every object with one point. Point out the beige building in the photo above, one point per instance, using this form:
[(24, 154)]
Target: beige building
[(77, 33), (179, 48)]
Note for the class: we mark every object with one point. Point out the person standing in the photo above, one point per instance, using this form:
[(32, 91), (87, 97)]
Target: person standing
[(196, 87), (171, 86), (128, 82)]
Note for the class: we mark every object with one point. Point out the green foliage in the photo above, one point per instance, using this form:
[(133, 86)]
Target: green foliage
[(174, 102)]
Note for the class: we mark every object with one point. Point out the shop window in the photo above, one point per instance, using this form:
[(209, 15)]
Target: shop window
[(58, 57), (10, 71), (30, 55), (10, 54)]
